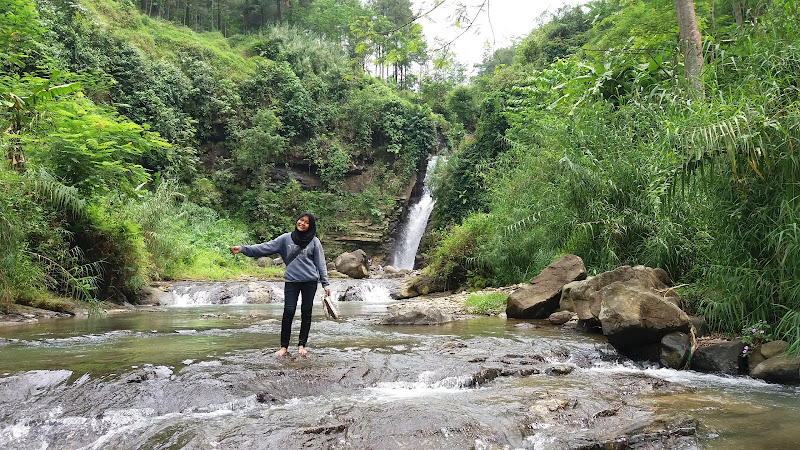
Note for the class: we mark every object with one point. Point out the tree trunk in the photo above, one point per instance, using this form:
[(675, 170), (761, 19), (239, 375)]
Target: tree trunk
[(691, 46), (278, 4), (737, 14)]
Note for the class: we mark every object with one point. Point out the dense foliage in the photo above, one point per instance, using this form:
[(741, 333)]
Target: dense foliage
[(596, 148), (136, 150)]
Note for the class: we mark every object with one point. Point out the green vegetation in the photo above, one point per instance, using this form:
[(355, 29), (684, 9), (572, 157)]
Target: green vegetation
[(137, 150), (588, 142), (486, 303)]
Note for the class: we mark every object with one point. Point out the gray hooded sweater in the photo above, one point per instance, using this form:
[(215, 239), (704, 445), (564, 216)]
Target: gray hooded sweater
[(302, 264)]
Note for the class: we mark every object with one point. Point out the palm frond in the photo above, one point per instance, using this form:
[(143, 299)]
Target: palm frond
[(64, 197), (80, 282)]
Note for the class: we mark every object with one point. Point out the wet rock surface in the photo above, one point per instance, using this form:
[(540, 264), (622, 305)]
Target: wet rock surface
[(471, 382), (437, 394)]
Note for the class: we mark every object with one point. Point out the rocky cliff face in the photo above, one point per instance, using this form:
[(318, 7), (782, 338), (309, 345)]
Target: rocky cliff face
[(376, 238)]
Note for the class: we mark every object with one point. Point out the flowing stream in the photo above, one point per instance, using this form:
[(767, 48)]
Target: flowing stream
[(197, 375), (415, 223)]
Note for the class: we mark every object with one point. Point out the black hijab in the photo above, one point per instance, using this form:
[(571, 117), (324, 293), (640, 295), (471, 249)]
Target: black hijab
[(303, 238)]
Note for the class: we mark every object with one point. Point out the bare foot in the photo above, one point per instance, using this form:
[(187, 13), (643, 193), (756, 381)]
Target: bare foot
[(302, 351), (281, 352)]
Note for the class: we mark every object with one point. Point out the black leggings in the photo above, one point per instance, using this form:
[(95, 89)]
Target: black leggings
[(292, 291)]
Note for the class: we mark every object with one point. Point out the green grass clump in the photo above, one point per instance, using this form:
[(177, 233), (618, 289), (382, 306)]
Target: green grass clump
[(486, 303), (216, 266)]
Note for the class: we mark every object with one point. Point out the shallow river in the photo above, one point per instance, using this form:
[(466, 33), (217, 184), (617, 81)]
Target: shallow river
[(203, 376)]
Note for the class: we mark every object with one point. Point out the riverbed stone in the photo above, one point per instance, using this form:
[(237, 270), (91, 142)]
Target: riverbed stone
[(147, 296), (353, 264), (664, 431), (560, 317), (540, 298), (415, 316), (421, 285), (783, 369), (264, 262), (261, 293), (724, 357), (700, 326), (560, 369), (635, 319), (352, 294), (773, 348), (584, 297), (758, 354), (675, 348)]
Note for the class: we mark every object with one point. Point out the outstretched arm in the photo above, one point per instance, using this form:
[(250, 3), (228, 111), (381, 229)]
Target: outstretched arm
[(259, 250)]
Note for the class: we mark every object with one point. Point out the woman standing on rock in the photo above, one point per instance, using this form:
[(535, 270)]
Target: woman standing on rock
[(302, 252)]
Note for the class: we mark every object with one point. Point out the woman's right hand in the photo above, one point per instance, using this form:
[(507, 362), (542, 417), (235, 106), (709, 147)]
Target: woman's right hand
[(235, 249)]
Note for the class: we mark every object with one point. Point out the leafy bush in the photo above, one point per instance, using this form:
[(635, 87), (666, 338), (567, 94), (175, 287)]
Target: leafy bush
[(755, 335), (457, 252)]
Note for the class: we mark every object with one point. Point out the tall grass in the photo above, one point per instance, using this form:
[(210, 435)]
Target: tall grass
[(187, 241), (706, 189)]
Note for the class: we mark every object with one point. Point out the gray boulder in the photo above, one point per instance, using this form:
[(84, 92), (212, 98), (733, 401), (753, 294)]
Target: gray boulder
[(560, 318), (148, 296), (352, 294), (584, 297), (725, 357), (354, 264), (761, 353), (635, 319), (260, 293), (540, 298), (773, 348), (700, 326), (675, 348), (421, 285), (779, 369), (264, 262), (415, 316)]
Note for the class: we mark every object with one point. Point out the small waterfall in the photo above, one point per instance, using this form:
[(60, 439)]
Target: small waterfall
[(413, 227)]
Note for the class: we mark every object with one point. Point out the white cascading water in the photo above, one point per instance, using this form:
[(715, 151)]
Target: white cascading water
[(412, 229)]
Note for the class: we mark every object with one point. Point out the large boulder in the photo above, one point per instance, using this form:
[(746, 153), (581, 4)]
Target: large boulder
[(635, 319), (422, 315), (675, 348), (560, 317), (584, 297), (352, 294), (260, 293), (725, 357), (354, 264), (773, 348), (779, 369), (540, 298), (421, 285)]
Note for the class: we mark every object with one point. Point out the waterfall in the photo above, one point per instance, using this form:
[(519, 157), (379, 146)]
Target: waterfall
[(413, 227)]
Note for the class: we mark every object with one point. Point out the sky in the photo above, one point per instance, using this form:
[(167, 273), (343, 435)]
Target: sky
[(506, 21)]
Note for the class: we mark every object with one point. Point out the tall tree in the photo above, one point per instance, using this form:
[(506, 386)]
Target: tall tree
[(691, 45)]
